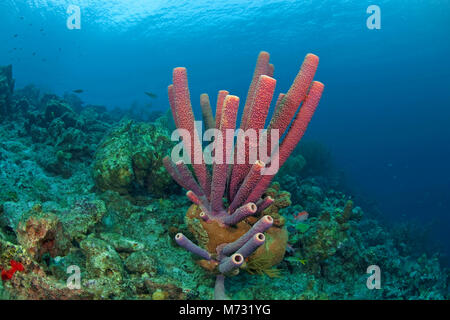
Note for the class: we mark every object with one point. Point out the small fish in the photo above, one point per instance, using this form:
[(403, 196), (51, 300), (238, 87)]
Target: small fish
[(290, 249), (302, 261), (34, 53), (15, 35), (301, 216), (78, 91), (151, 95)]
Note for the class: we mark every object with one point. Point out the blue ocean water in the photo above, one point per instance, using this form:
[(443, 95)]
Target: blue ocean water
[(385, 110)]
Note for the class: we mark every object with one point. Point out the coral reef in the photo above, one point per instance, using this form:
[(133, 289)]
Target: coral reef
[(65, 137), (232, 236), (54, 218)]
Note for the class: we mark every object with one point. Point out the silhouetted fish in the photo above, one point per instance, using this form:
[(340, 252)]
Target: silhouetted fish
[(78, 91), (151, 95), (16, 35)]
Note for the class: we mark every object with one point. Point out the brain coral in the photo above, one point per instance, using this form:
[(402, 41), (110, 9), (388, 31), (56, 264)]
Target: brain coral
[(130, 158)]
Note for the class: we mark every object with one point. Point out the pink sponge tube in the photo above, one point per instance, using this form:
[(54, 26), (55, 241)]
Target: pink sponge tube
[(173, 171), (185, 119), (188, 178), (220, 99), (256, 120), (184, 242), (262, 68), (293, 136), (250, 181), (219, 181)]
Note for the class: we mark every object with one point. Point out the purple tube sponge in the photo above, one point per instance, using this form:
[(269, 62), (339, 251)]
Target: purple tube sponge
[(243, 185), (262, 225), (191, 247), (241, 213), (254, 243), (188, 178), (204, 216), (219, 288), (263, 204), (230, 263)]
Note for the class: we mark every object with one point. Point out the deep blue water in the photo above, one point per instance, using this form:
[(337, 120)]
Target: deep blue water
[(385, 112)]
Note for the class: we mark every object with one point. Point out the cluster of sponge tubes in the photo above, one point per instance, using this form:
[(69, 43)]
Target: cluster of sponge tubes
[(242, 184)]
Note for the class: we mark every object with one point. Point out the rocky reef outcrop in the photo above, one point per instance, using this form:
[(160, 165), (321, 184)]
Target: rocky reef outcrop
[(51, 220), (129, 159), (68, 135), (42, 233)]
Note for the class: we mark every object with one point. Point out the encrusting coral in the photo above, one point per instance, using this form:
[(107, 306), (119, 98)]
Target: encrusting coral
[(231, 236)]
